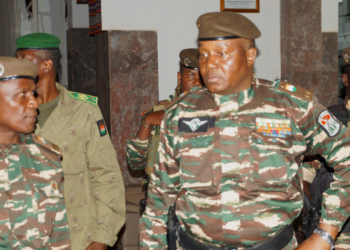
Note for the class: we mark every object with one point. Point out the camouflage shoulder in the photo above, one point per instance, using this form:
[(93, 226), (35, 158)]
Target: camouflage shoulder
[(83, 97), (183, 95), (46, 144), (294, 90)]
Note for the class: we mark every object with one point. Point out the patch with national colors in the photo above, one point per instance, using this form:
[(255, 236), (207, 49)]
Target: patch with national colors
[(102, 127), (273, 127), (330, 125)]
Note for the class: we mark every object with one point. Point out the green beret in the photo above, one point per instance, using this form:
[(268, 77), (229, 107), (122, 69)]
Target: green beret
[(225, 25), (189, 58), (346, 56), (13, 68), (38, 41)]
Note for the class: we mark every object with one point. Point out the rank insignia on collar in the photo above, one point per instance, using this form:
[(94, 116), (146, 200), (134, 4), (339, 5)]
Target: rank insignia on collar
[(327, 122), (102, 127), (273, 127), (196, 124)]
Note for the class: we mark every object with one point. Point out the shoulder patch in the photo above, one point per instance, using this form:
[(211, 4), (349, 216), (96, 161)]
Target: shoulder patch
[(49, 145), (296, 91), (327, 122), (85, 98)]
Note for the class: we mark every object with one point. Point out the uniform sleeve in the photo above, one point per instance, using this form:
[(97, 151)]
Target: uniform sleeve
[(162, 192), (137, 151), (60, 233), (323, 135), (106, 183)]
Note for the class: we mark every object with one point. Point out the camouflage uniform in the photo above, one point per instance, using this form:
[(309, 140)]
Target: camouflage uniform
[(32, 210), (94, 190), (141, 154), (343, 239), (242, 179)]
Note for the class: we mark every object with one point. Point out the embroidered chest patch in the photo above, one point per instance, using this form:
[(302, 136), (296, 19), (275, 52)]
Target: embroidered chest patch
[(273, 127), (102, 127), (329, 125), (196, 124)]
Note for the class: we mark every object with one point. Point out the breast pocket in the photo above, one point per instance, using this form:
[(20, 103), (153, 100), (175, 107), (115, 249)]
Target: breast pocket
[(272, 158), (196, 160), (73, 155)]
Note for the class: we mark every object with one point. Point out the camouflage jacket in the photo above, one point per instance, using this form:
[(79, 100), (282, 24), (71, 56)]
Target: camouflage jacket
[(94, 189), (142, 154), (32, 210), (232, 163)]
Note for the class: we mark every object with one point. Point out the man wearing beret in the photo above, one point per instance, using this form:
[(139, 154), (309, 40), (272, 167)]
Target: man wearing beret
[(94, 190), (142, 147), (32, 210), (230, 154)]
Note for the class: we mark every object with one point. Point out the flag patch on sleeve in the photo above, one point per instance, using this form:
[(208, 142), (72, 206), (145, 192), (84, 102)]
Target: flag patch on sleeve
[(102, 127), (327, 122)]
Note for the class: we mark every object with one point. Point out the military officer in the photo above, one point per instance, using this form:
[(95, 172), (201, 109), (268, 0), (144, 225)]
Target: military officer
[(32, 210), (323, 176), (93, 185), (230, 154), (141, 147)]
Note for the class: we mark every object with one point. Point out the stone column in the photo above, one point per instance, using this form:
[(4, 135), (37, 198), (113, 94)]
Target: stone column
[(308, 56), (127, 84), (81, 61)]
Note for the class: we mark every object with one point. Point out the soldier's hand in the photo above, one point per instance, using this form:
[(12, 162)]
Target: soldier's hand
[(154, 118), (96, 246), (315, 241)]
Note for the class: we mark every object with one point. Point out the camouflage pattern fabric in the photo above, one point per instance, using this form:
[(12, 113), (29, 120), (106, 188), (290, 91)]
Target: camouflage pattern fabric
[(32, 210), (242, 183), (309, 169), (94, 188), (142, 154)]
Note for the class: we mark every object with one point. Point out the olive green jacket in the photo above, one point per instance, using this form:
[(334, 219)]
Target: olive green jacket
[(93, 187)]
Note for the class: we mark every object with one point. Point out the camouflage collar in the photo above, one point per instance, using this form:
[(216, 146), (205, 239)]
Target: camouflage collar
[(9, 147), (239, 99)]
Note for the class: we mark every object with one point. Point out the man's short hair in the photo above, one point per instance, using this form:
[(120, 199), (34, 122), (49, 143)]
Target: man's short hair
[(53, 55)]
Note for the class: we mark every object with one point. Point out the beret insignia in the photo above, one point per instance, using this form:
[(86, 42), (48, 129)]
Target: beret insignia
[(346, 57), (2, 69), (187, 61)]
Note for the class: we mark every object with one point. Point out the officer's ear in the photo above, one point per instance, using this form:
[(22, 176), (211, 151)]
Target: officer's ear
[(47, 65), (251, 56), (178, 77), (345, 80)]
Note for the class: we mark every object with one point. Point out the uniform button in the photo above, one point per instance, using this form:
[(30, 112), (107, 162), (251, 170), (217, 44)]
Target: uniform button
[(75, 220)]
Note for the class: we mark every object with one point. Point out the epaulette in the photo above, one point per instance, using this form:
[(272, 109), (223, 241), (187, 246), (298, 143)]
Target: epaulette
[(296, 91), (49, 145), (177, 99), (85, 98), (265, 82)]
